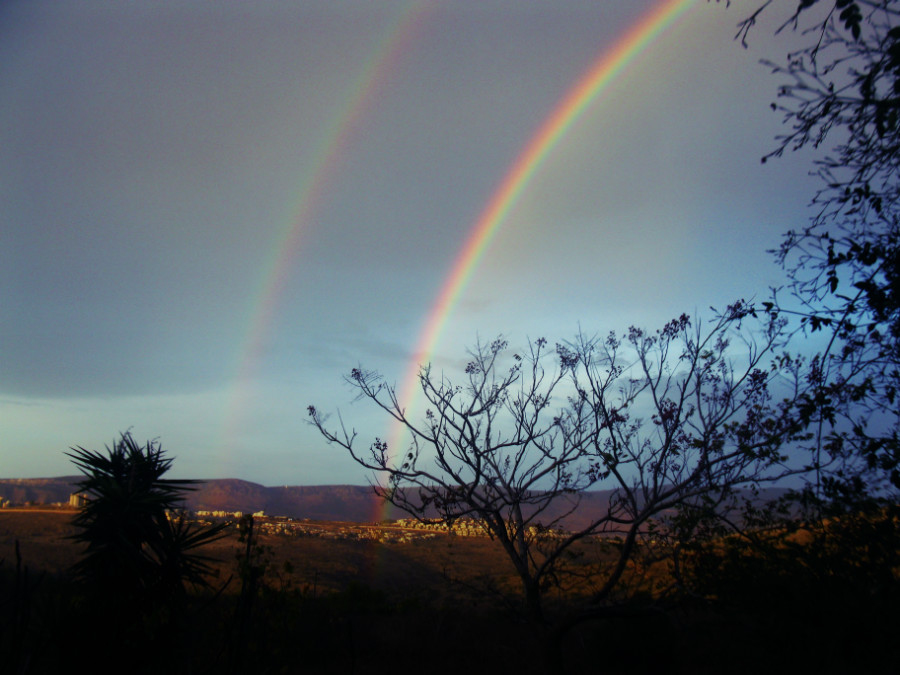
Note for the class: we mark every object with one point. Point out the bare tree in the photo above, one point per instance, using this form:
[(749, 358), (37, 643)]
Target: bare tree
[(673, 417)]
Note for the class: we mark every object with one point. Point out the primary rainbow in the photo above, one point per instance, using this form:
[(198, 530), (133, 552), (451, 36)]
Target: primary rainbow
[(608, 66), (325, 162)]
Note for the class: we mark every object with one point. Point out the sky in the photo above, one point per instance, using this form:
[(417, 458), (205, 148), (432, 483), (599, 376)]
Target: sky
[(211, 212)]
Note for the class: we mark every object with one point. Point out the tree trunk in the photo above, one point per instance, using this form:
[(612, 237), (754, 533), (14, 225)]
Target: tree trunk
[(533, 605)]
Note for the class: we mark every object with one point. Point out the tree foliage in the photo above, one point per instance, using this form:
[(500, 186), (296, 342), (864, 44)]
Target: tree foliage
[(840, 97), (663, 419)]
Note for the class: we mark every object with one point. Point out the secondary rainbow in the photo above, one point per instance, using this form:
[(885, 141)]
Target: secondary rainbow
[(324, 164), (605, 69)]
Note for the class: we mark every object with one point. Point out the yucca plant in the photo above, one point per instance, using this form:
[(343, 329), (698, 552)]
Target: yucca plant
[(133, 549)]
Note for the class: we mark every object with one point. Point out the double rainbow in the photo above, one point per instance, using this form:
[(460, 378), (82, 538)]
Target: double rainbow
[(327, 160)]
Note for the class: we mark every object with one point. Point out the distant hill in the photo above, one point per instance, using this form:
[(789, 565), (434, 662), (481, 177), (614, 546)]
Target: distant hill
[(319, 502), (37, 490), (350, 503)]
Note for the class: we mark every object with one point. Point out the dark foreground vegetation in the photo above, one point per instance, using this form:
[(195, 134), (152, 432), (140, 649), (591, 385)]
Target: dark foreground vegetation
[(822, 601)]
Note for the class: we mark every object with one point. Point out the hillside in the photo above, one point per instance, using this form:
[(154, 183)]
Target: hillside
[(320, 502), (37, 490), (350, 503)]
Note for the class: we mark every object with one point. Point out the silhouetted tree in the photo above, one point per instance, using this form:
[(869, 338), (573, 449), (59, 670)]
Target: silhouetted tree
[(677, 416), (830, 550), (840, 97)]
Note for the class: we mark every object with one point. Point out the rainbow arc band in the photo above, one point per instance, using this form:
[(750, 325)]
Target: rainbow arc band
[(609, 65), (327, 159)]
